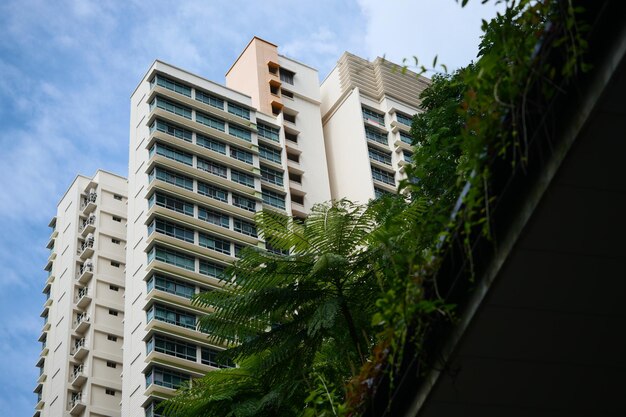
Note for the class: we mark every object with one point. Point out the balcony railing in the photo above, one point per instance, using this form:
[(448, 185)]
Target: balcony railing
[(90, 221), (78, 370)]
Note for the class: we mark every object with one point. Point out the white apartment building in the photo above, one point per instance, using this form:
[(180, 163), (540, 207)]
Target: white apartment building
[(81, 358), (203, 159), (367, 109)]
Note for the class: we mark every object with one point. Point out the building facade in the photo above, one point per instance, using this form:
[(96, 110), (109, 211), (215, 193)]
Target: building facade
[(81, 358), (203, 159)]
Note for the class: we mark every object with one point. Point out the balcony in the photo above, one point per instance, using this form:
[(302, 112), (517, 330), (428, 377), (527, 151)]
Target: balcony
[(85, 272), (79, 376), (86, 249), (80, 349), (40, 403), (44, 348), (42, 375), (82, 323), (46, 324), (82, 298), (88, 226), (76, 404), (88, 204)]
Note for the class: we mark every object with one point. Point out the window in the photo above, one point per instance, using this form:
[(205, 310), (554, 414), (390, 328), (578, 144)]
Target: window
[(111, 364), (171, 178), (244, 227), (214, 243), (379, 192), (113, 312), (170, 84), (293, 137), (293, 157), (242, 178), (210, 121), (213, 192), (383, 176), (171, 203), (404, 119), (375, 135), (172, 347), (407, 156), (171, 315), (171, 229), (115, 264), (268, 132), (272, 176), (172, 130), (272, 68), (210, 143), (373, 116), (213, 217), (238, 110), (210, 99), (273, 199), (270, 154), (171, 153), (298, 199), (112, 338), (406, 138), (241, 155), (117, 197), (274, 89), (116, 241), (109, 391), (114, 288), (166, 378), (286, 93), (211, 269), (286, 75), (295, 177), (117, 219), (172, 257), (276, 251), (171, 107), (238, 249), (171, 285), (244, 202), (210, 357), (212, 167), (289, 117), (380, 156), (240, 133)]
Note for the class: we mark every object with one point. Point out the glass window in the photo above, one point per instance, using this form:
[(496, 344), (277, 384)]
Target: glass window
[(210, 357), (213, 217), (240, 133), (271, 175), (238, 110), (241, 155), (406, 138), (380, 156), (166, 378), (210, 143), (214, 243), (172, 347), (212, 191), (172, 130), (373, 116), (244, 227), (172, 85), (404, 119), (375, 135), (171, 203), (242, 178), (171, 107), (244, 202), (171, 153), (407, 156), (268, 132), (212, 167), (171, 285), (171, 229), (269, 153), (383, 176), (379, 192), (286, 76), (171, 178), (210, 121), (211, 269), (172, 315), (172, 257), (273, 199), (210, 99)]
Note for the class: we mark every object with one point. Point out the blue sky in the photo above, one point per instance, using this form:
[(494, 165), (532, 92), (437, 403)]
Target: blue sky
[(67, 69)]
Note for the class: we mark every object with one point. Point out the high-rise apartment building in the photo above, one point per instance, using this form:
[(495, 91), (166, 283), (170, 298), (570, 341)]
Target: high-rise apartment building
[(81, 358), (203, 159), (367, 109)]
